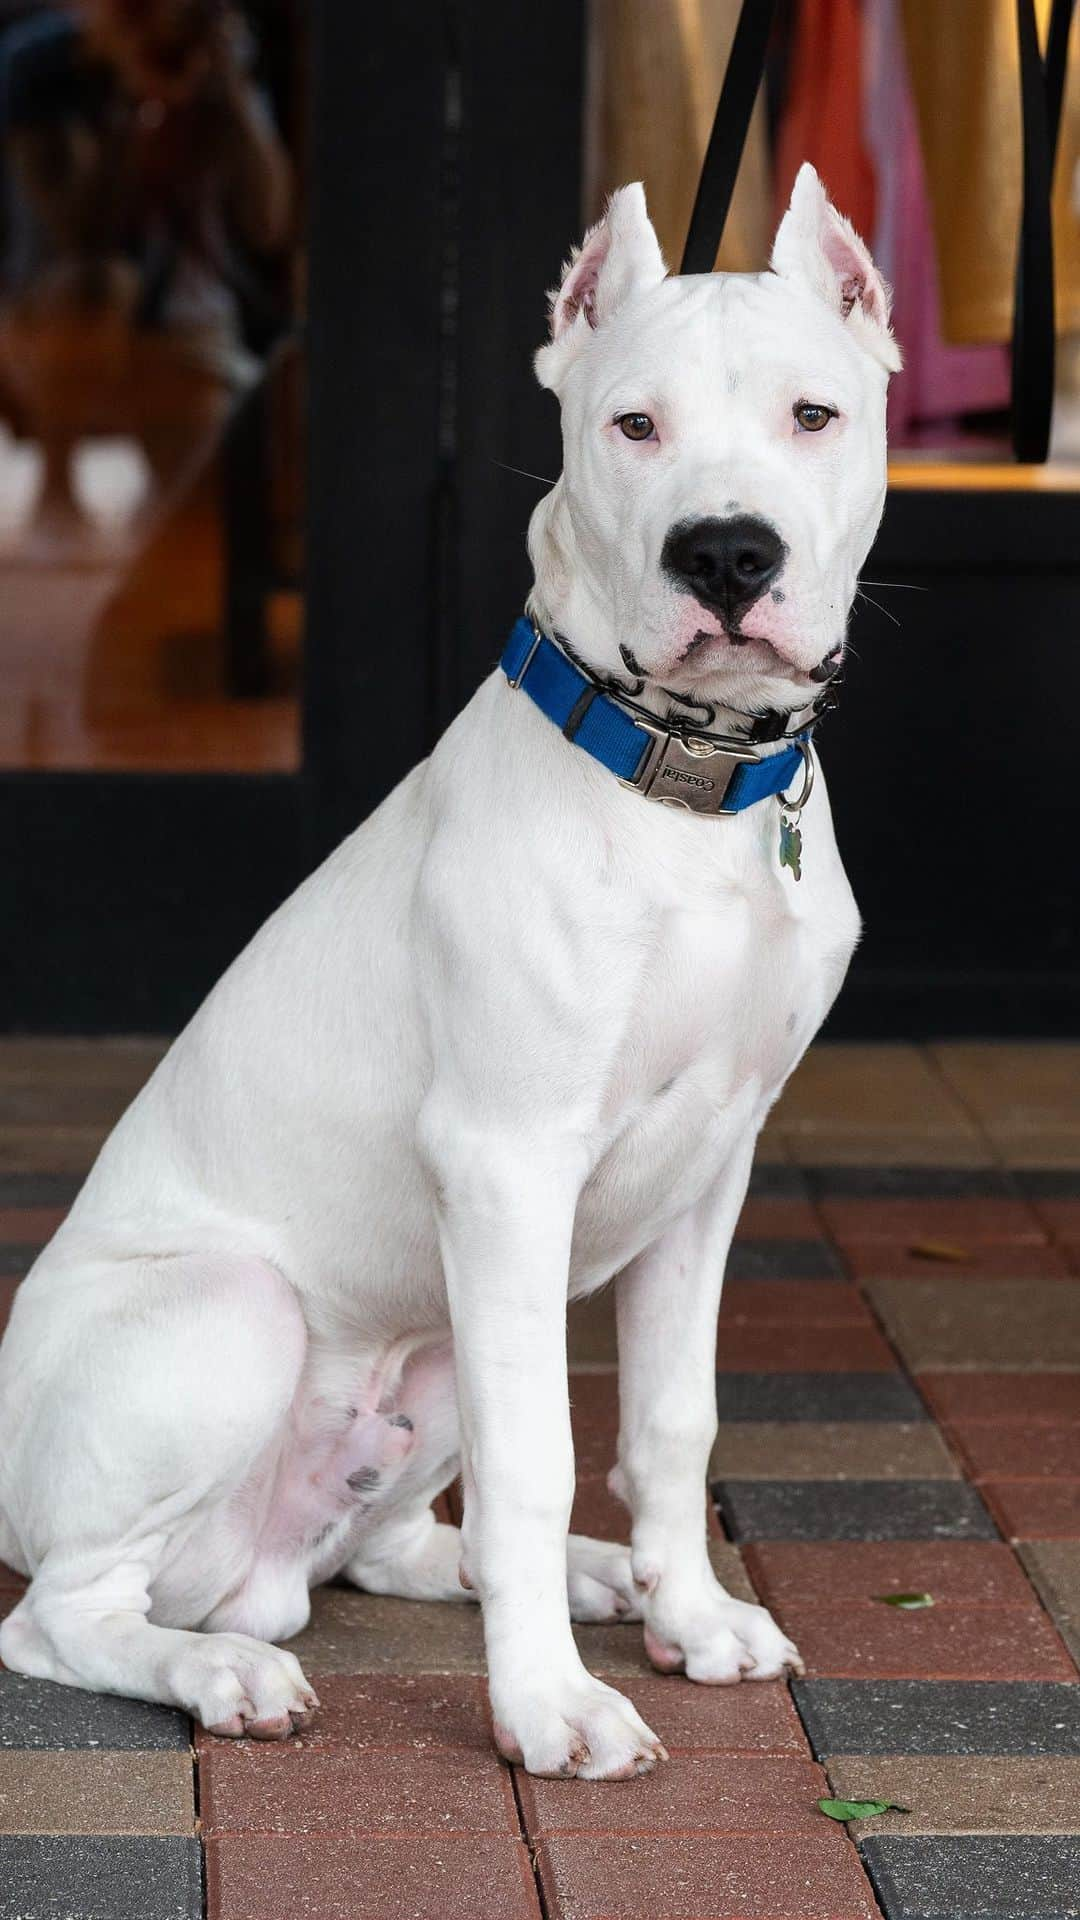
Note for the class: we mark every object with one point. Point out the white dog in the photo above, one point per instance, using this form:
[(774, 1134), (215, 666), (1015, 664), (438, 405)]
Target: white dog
[(516, 1037)]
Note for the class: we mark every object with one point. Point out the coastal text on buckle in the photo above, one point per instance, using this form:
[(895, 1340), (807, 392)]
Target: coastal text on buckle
[(685, 771)]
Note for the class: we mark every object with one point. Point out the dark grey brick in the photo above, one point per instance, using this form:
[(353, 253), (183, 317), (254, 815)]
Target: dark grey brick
[(984, 1876), (41, 1715), (99, 1877), (778, 1181), (852, 1510), (16, 1259), (817, 1396), (39, 1189), (916, 1183), (940, 1716), (783, 1260), (1049, 1183)]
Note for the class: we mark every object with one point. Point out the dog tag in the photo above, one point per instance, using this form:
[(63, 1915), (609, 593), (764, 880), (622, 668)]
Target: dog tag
[(791, 846)]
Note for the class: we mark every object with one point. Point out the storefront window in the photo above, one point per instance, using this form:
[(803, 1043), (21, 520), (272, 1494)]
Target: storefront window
[(151, 154)]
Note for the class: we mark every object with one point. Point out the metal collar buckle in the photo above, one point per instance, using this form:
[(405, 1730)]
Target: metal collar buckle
[(686, 771)]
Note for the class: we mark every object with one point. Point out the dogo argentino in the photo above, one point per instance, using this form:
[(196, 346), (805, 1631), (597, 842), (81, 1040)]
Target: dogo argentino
[(513, 1041)]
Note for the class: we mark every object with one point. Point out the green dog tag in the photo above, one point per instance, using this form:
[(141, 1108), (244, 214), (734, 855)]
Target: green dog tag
[(790, 847)]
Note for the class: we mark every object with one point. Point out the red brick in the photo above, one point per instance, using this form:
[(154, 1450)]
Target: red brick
[(594, 1419), (7, 1296), (481, 1876), (766, 1217), (802, 1349), (936, 1643), (961, 1223), (758, 1718), (698, 1877), (10, 1581), (830, 1573), (1029, 1397), (392, 1710), (986, 1260), (1062, 1217), (29, 1226), (597, 1512), (1014, 1452), (819, 1303), (712, 1793), (1035, 1509), (261, 1787)]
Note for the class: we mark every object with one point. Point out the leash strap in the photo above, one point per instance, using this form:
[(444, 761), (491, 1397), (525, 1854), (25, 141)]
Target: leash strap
[(726, 778), (1042, 87), (745, 70)]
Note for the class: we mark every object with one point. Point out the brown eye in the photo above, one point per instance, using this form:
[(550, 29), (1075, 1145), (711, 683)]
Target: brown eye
[(636, 426), (812, 417)]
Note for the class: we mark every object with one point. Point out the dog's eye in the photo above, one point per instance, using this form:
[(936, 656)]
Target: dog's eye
[(811, 416), (636, 426)]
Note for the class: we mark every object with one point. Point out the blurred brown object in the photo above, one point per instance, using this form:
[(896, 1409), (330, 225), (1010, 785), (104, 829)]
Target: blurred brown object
[(964, 64), (212, 594), (654, 72), (76, 372), (161, 49)]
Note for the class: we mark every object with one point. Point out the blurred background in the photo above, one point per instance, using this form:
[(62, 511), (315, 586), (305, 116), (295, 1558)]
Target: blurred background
[(270, 279), (153, 160)]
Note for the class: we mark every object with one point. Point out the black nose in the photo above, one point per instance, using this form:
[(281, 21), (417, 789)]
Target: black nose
[(726, 564)]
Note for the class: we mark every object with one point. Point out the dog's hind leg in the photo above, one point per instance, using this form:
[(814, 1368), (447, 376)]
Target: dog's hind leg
[(167, 1393), (599, 1581), (404, 1550)]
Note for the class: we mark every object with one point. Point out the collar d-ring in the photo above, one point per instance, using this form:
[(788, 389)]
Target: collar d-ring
[(796, 806)]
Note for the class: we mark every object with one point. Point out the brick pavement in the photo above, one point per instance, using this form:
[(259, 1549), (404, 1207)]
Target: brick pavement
[(898, 1379)]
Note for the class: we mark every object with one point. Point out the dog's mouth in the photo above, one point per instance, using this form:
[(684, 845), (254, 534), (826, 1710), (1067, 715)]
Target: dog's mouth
[(769, 660)]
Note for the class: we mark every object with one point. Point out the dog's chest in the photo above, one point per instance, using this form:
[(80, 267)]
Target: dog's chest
[(739, 978)]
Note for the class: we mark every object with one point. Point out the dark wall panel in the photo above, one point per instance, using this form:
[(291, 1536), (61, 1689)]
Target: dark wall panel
[(953, 793), (520, 178), (123, 898)]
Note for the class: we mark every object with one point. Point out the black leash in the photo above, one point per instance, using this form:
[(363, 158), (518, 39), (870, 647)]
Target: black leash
[(745, 67), (1042, 88)]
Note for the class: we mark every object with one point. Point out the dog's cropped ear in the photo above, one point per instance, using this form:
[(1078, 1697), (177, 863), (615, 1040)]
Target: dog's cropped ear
[(817, 246), (618, 257)]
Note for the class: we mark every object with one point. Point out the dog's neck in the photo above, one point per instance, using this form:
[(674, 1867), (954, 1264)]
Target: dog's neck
[(615, 667)]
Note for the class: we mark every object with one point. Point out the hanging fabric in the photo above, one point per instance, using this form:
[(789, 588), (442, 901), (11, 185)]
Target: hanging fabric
[(964, 62), (821, 121), (653, 72)]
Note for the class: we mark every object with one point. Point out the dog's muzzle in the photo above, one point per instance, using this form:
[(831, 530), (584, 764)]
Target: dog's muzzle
[(725, 564)]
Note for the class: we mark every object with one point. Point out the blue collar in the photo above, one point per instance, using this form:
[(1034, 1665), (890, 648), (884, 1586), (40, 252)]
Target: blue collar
[(704, 772)]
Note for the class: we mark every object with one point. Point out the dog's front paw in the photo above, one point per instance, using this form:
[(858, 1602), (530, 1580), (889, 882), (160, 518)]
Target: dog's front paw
[(721, 1642), (583, 1728)]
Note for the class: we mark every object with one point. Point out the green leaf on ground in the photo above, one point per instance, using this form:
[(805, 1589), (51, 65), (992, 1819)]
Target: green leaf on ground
[(908, 1602), (859, 1809)]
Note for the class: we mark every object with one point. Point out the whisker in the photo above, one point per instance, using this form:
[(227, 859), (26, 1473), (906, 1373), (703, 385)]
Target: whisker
[(869, 598), (901, 586), (524, 472)]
